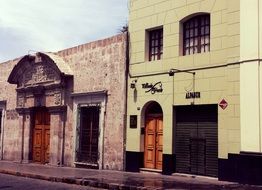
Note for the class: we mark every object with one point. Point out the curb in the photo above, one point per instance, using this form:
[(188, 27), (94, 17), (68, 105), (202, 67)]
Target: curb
[(100, 183), (78, 181)]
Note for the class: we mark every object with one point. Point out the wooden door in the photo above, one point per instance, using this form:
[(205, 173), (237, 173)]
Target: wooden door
[(41, 137), (153, 143)]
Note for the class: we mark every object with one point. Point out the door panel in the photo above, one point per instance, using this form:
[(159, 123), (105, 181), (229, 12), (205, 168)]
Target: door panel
[(149, 160), (197, 148), (159, 143), (46, 145), (153, 143), (37, 145), (41, 137)]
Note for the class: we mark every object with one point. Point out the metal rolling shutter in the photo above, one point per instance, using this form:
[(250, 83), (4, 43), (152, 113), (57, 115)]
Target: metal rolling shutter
[(196, 143)]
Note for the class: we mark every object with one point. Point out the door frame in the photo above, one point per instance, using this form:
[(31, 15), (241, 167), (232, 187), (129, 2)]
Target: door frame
[(151, 109), (157, 117), (85, 99)]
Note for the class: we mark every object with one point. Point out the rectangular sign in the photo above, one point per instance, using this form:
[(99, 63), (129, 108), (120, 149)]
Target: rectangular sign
[(133, 121)]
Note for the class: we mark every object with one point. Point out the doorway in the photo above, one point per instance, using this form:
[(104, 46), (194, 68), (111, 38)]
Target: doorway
[(88, 135), (153, 137), (41, 136), (196, 140)]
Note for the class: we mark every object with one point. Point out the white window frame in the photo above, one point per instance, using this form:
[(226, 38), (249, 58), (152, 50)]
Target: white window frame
[(80, 100)]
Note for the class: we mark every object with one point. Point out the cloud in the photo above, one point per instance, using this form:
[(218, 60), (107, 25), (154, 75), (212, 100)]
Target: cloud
[(53, 25)]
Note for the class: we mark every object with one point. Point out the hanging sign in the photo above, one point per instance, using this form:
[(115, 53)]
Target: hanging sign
[(223, 104), (153, 88)]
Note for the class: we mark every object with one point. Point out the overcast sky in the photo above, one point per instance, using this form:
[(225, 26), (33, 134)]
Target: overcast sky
[(52, 25)]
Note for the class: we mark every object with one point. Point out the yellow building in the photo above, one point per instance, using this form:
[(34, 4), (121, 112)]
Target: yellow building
[(194, 95)]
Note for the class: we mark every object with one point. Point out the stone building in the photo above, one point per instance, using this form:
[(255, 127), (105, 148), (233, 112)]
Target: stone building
[(66, 108), (194, 88)]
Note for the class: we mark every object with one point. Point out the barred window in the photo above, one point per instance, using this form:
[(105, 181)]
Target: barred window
[(155, 44), (196, 37)]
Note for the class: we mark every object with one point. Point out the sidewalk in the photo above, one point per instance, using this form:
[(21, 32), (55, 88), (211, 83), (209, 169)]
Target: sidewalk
[(116, 179)]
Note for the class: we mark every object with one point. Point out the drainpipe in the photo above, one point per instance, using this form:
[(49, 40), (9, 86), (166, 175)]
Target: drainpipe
[(259, 76), (126, 94)]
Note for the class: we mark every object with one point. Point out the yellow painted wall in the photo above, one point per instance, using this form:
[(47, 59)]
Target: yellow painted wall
[(251, 75), (214, 83)]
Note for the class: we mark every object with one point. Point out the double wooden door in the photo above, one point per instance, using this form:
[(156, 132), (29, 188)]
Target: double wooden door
[(41, 137), (153, 142)]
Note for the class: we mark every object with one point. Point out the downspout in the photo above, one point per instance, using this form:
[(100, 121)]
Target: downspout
[(259, 76), (126, 95)]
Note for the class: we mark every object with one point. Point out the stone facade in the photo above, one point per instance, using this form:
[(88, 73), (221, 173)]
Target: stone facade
[(86, 75)]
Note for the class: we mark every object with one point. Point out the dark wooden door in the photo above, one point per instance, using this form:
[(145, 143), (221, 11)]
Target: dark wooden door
[(41, 137), (153, 143)]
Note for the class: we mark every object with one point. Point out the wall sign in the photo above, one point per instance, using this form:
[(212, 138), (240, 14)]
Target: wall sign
[(153, 88), (223, 104), (192, 95), (133, 121)]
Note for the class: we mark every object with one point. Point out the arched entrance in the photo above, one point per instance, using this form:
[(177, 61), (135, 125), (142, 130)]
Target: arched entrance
[(153, 136)]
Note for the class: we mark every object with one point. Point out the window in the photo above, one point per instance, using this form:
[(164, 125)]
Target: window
[(196, 35), (155, 44), (88, 134)]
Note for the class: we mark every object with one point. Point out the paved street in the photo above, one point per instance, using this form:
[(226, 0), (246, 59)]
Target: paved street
[(8, 182)]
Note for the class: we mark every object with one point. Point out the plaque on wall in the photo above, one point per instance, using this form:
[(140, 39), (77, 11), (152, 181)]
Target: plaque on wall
[(133, 121)]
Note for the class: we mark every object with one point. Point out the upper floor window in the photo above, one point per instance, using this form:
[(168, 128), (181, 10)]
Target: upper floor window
[(196, 36), (155, 44)]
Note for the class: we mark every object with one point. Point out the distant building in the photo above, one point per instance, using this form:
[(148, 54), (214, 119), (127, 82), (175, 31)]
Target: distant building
[(194, 96), (66, 108)]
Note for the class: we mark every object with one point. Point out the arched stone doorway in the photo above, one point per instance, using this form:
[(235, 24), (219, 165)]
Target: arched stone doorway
[(41, 81), (153, 150)]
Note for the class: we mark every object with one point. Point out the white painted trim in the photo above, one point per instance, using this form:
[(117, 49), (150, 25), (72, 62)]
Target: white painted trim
[(99, 98)]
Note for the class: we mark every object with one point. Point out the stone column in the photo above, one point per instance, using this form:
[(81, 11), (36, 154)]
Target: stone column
[(55, 138), (56, 135), (27, 137)]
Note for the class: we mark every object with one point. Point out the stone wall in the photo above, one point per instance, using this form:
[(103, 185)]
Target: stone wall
[(97, 66), (12, 130)]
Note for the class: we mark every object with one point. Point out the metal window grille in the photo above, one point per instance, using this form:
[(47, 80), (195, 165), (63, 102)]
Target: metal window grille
[(196, 35), (155, 44)]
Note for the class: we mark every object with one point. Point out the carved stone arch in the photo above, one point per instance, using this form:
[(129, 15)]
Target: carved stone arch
[(38, 69), (40, 80)]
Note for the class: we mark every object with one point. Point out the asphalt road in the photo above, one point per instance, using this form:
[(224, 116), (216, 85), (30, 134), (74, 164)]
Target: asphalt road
[(8, 182)]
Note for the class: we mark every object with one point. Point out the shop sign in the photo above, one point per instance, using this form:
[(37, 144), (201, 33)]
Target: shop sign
[(192, 95), (223, 104), (133, 121), (153, 88)]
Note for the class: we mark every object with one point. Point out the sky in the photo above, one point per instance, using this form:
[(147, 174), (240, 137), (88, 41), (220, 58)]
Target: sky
[(51, 25)]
